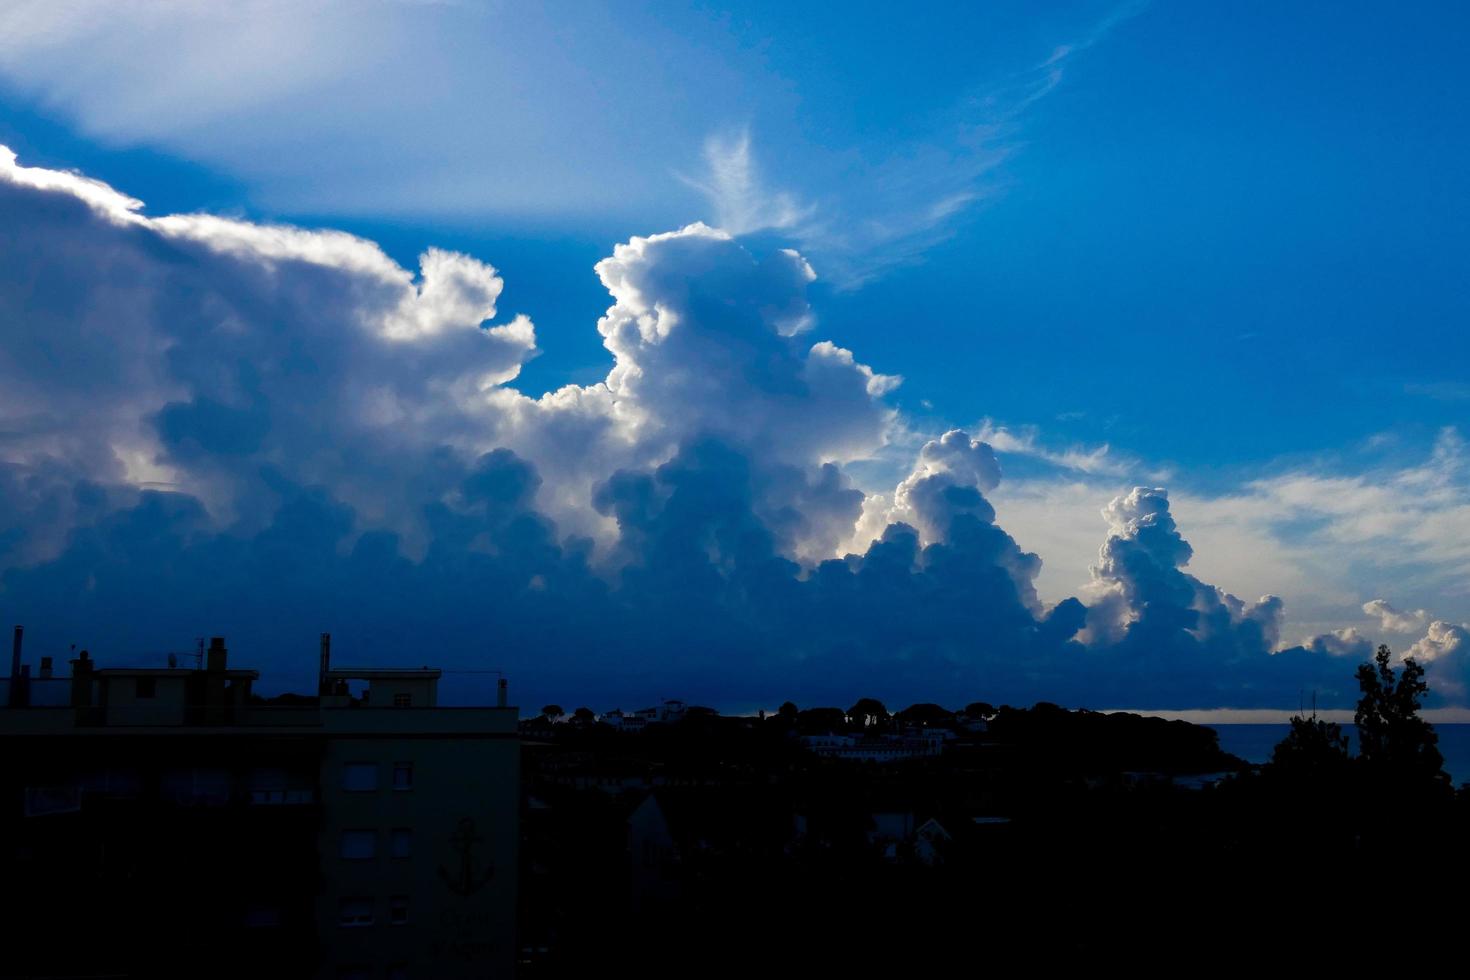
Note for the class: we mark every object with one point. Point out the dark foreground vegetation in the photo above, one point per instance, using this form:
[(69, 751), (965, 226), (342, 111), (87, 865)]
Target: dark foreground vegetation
[(1006, 836)]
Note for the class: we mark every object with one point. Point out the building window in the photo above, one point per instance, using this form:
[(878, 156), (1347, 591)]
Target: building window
[(354, 912), (398, 910), (360, 777), (403, 775), (267, 786), (116, 783), (403, 700), (400, 841), (196, 787), (276, 787), (259, 916), (359, 845), (145, 687)]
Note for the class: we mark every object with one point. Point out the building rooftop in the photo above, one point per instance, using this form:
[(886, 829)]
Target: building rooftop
[(216, 698), (249, 675)]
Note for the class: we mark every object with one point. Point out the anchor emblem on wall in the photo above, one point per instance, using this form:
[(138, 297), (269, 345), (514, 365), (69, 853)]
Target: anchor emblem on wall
[(468, 879)]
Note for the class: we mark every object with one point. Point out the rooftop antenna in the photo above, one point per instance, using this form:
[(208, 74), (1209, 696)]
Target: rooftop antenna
[(16, 688)]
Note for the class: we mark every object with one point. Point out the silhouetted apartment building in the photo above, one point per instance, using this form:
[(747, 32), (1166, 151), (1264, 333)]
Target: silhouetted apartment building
[(169, 822)]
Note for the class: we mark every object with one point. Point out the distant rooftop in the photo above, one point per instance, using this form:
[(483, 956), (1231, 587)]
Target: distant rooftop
[(383, 673)]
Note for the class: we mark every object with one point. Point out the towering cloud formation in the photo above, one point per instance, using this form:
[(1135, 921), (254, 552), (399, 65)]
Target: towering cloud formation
[(213, 425), (225, 359), (952, 474), (1442, 640), (1445, 648), (1143, 595), (707, 342)]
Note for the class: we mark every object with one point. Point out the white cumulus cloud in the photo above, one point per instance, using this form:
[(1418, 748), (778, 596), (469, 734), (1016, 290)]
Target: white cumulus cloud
[(239, 417), (1392, 620)]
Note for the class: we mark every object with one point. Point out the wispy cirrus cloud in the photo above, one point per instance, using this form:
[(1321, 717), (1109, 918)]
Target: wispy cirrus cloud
[(907, 201), (479, 108), (429, 109), (458, 109), (1443, 391), (736, 190), (1099, 460)]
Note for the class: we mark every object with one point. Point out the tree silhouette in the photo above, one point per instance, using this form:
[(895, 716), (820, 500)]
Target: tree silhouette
[(553, 711), (1312, 749), (818, 721), (1392, 738), (867, 712), (924, 714)]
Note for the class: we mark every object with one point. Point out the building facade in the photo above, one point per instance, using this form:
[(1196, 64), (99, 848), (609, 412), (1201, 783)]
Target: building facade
[(189, 827)]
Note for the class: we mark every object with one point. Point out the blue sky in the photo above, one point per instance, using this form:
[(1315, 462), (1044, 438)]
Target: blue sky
[(1218, 248), (1257, 195)]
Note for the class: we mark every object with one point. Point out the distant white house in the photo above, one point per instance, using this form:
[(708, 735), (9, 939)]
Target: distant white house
[(899, 836), (635, 721), (620, 721), (930, 841), (911, 744), (826, 744), (973, 724)]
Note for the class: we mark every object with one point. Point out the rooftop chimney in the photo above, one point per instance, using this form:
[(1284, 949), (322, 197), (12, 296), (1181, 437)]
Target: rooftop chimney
[(21, 688), (215, 660), (81, 681), (500, 690), (326, 665), (46, 669)]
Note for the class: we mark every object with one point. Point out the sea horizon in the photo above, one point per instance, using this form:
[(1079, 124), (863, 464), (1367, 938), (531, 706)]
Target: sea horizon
[(1253, 742)]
